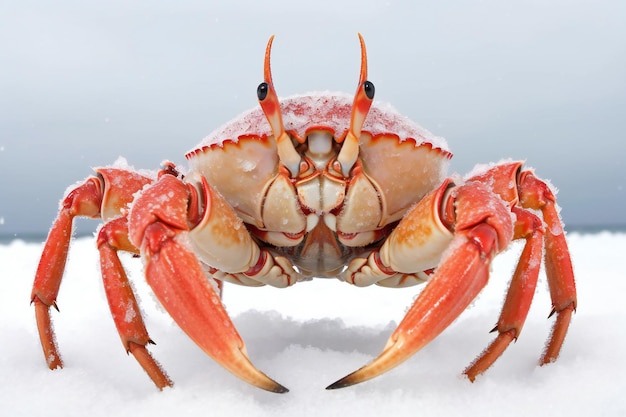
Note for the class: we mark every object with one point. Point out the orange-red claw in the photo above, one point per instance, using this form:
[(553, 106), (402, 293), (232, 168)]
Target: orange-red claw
[(459, 279), (179, 281), (182, 288)]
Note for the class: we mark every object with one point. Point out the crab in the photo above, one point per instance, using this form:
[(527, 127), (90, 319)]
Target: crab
[(317, 185)]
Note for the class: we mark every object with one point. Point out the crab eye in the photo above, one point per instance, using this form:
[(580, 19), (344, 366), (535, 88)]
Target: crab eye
[(368, 87), (262, 90)]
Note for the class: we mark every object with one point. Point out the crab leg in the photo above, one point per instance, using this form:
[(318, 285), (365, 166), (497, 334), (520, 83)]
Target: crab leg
[(160, 228), (102, 196), (535, 194), (112, 238), (520, 294), (482, 229), (84, 200)]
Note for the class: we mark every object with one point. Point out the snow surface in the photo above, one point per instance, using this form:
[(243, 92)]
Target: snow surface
[(308, 336)]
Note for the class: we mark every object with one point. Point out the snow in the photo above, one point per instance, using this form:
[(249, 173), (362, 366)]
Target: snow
[(308, 336)]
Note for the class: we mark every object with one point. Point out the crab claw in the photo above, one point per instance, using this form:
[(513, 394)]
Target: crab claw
[(460, 276), (181, 285), (448, 293)]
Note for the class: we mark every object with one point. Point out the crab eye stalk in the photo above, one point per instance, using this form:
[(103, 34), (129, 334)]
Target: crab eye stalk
[(360, 107), (262, 90), (270, 105)]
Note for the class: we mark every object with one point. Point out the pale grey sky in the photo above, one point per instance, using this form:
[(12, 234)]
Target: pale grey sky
[(82, 83)]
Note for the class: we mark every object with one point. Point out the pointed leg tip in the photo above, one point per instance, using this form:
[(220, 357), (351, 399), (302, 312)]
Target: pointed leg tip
[(470, 375), (273, 386), (261, 380), (388, 359), (164, 386), (55, 364), (336, 385), (279, 389), (344, 382), (546, 360)]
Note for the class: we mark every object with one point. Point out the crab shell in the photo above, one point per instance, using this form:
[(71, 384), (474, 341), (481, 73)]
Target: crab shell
[(241, 161)]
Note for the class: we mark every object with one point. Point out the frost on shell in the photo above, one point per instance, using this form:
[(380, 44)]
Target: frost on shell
[(119, 163), (130, 313), (480, 169), (328, 110), (122, 163)]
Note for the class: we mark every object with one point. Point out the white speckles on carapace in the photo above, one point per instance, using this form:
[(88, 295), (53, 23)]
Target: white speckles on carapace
[(247, 165), (324, 109)]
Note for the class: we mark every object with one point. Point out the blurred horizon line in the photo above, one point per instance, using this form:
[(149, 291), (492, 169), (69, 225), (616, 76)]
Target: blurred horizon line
[(33, 237)]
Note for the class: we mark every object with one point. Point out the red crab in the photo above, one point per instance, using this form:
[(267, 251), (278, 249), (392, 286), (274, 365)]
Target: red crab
[(319, 185)]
